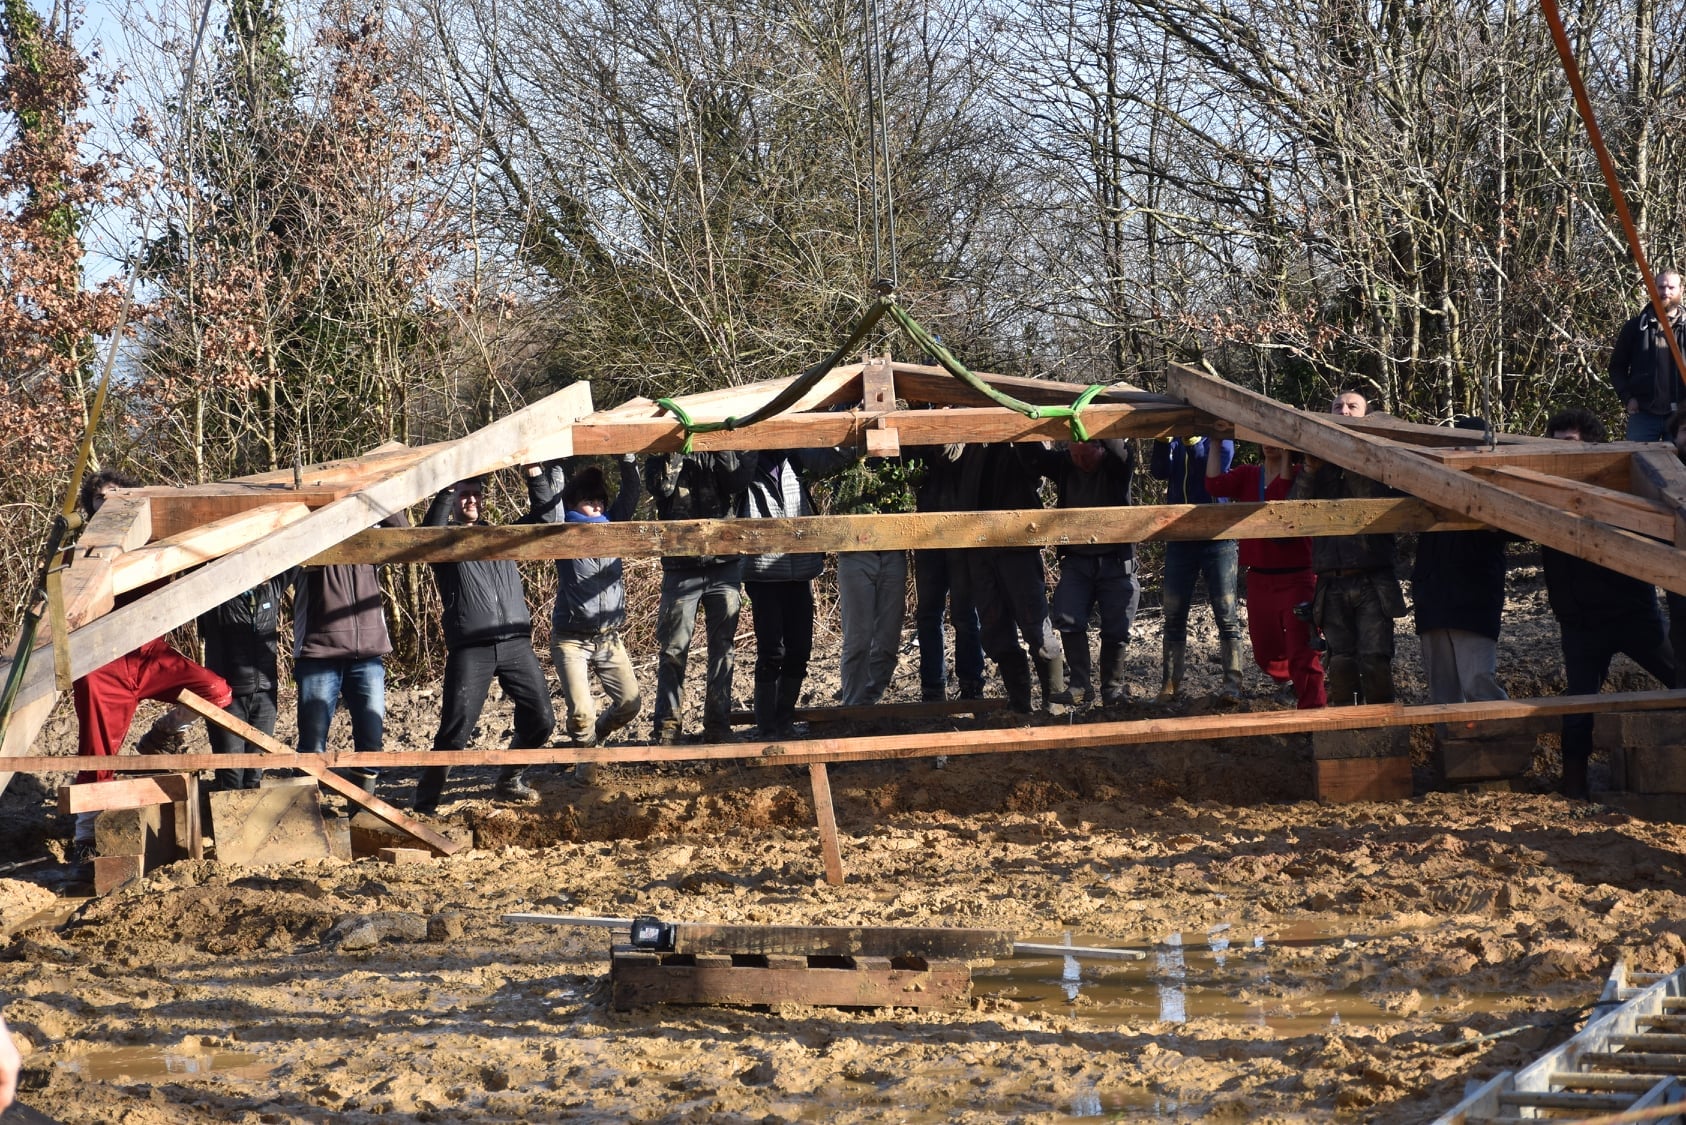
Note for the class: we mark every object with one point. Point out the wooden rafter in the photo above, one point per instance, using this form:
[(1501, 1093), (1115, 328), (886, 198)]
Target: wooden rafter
[(1542, 521)]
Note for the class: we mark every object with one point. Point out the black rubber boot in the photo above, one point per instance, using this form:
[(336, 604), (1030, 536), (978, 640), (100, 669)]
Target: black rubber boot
[(1078, 678), (784, 717), (1015, 677), (766, 705), (1114, 687)]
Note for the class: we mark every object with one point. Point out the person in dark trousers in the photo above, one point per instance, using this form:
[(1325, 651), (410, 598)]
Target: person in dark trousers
[(1181, 464), (1642, 367), (1458, 596), (1008, 584), (697, 486), (1674, 431), (1279, 576), (1358, 594), (242, 639), (1095, 474), (781, 586), (936, 590), (585, 626), (488, 633), (1599, 613)]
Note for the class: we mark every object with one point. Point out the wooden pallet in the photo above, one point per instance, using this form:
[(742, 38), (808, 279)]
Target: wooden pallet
[(639, 978), (1630, 1057)]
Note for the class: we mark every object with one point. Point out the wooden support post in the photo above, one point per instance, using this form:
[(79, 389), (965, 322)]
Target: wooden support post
[(827, 818), (189, 821), (312, 765)]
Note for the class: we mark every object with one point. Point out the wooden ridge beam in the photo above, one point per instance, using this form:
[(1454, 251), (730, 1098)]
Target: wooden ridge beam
[(535, 433), (176, 511), (838, 386), (934, 385), (1276, 519), (1604, 465), (914, 427), (1378, 459), (380, 460), (973, 740)]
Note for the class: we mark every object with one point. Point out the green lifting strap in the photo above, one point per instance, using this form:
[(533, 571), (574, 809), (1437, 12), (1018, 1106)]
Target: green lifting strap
[(1073, 413), (789, 396)]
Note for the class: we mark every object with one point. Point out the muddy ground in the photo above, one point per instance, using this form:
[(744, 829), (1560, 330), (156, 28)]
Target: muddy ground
[(1305, 962)]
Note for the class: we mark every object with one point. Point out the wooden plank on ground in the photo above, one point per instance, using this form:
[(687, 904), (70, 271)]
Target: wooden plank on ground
[(279, 823), (886, 712), (866, 941), (535, 433), (312, 764), (827, 818), (122, 793), (1275, 519), (159, 560), (1635, 555), (637, 982)]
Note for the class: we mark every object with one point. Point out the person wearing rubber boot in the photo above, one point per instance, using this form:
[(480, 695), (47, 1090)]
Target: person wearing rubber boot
[(1279, 577), (1599, 613), (488, 634), (1008, 584), (1095, 474), (1358, 594), (781, 586), (697, 486), (585, 627), (1181, 463), (938, 587)]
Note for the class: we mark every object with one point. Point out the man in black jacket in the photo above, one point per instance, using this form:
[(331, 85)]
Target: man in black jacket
[(241, 640), (488, 632), (1600, 613), (697, 486), (1642, 367)]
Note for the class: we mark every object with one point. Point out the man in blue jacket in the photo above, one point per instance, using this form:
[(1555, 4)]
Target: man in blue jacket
[(488, 632)]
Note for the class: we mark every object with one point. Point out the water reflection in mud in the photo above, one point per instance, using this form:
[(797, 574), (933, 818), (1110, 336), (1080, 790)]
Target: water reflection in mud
[(1216, 974)]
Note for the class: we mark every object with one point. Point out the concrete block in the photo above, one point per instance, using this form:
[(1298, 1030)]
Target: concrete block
[(404, 855), (112, 871), (1648, 769), (1471, 759), (149, 832), (1663, 808), (276, 824)]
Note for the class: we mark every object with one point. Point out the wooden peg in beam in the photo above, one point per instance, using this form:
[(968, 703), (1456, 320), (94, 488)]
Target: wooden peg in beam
[(883, 440)]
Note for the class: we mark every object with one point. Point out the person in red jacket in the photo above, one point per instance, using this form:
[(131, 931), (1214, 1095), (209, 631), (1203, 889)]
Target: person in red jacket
[(106, 698), (1279, 577)]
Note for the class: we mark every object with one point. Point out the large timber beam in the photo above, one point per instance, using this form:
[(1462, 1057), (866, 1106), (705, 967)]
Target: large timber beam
[(1545, 523), (916, 530), (538, 432)]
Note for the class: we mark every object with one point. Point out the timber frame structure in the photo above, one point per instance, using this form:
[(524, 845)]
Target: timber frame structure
[(1622, 505)]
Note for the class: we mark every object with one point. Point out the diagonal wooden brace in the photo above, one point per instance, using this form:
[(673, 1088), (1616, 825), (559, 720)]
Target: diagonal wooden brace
[(351, 791)]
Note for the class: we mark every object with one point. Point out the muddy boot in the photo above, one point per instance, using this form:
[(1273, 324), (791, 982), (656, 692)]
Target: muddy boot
[(1229, 656), (971, 689), (430, 789), (665, 733), (790, 690), (1574, 775), (1114, 688), (1015, 677), (1077, 668), (512, 786), (766, 706), (1170, 672), (1340, 679), (1052, 674)]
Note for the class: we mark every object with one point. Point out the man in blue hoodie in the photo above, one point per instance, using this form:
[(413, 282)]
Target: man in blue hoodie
[(585, 627)]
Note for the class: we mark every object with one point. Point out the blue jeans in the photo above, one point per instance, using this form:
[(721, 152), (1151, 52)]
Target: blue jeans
[(1185, 562), (324, 683), (1646, 426)]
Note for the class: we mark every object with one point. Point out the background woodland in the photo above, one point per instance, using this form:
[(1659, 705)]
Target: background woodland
[(349, 224)]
